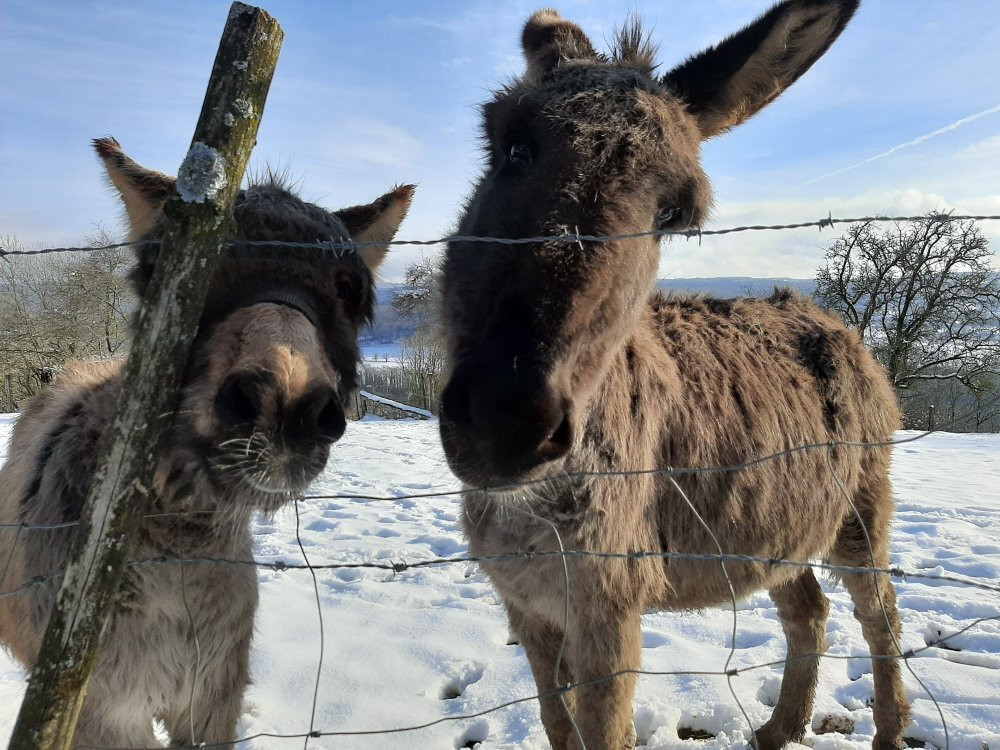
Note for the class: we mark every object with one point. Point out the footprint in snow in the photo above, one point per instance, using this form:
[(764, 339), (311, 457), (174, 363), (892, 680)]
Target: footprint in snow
[(464, 674), (833, 724), (652, 639), (693, 733), (322, 525), (768, 691), (442, 546), (473, 736)]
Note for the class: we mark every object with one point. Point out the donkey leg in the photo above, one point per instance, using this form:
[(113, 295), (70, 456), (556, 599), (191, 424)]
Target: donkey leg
[(218, 695), (803, 611), (610, 643), (541, 643), (875, 607), (109, 720)]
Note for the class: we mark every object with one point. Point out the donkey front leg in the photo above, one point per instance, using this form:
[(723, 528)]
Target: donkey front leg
[(106, 721), (212, 716), (608, 642), (541, 642)]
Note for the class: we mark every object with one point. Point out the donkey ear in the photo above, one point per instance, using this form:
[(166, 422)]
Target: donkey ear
[(377, 222), (730, 82), (143, 191), (548, 39)]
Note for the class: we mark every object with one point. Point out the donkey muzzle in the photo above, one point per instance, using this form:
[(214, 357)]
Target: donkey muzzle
[(498, 426)]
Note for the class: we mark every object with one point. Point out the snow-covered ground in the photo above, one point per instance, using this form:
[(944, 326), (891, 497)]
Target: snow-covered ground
[(381, 353), (428, 644)]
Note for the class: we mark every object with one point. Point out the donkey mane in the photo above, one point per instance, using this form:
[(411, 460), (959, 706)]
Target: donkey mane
[(633, 47)]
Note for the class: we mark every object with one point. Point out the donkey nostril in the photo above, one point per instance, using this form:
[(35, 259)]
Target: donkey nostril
[(331, 422), (558, 443), (238, 400), (321, 417)]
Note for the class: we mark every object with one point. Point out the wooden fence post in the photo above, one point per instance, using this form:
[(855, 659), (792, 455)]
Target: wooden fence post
[(199, 221), (10, 392)]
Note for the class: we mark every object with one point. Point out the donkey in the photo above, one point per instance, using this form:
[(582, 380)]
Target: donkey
[(564, 364), (275, 358)]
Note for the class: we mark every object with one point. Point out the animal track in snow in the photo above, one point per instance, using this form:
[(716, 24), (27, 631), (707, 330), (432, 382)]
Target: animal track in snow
[(653, 639), (834, 724), (466, 673), (692, 733), (474, 735), (768, 691)]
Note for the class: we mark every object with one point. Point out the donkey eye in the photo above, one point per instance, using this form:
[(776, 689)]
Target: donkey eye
[(665, 217), (519, 154)]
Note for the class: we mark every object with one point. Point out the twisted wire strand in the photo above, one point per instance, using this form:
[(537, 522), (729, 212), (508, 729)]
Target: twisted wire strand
[(335, 245)]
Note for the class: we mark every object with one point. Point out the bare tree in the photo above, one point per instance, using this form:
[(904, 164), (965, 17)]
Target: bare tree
[(417, 297), (61, 307), (422, 353), (924, 297), (422, 362)]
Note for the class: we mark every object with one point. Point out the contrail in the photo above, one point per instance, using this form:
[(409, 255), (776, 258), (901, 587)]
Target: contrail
[(914, 142)]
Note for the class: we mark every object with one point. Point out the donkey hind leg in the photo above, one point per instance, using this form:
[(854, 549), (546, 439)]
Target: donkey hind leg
[(875, 607), (803, 610), (541, 643)]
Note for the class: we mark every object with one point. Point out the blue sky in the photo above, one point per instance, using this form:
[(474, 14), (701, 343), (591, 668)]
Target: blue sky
[(368, 94)]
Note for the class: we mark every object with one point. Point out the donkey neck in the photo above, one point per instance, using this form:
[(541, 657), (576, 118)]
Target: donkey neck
[(624, 423)]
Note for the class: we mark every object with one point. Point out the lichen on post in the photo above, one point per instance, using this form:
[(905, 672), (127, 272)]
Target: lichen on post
[(199, 221)]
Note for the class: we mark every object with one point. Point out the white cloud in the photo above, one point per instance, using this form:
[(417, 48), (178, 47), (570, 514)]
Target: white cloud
[(797, 253)]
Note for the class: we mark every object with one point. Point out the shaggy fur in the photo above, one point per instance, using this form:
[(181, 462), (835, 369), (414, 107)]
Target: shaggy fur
[(564, 363), (275, 357)]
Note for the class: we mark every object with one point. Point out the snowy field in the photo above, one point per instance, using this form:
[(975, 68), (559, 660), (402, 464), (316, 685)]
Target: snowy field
[(381, 353), (431, 644)]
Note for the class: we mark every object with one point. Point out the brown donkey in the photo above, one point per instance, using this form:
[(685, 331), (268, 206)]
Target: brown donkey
[(275, 357), (565, 363)]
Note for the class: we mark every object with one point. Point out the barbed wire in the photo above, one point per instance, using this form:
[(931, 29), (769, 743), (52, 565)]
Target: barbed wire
[(402, 566), (667, 471), (828, 222)]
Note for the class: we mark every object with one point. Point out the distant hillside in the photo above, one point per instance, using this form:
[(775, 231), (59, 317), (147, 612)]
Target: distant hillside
[(735, 286), (386, 325), (390, 327)]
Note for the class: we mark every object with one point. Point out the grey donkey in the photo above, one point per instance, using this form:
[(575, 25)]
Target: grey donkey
[(565, 364), (262, 401)]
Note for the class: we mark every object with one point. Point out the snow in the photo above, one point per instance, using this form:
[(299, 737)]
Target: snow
[(381, 353), (430, 644)]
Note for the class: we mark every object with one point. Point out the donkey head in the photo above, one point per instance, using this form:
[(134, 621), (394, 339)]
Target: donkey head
[(276, 352), (587, 144)]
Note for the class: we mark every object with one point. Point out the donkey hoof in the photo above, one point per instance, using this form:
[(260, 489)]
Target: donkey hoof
[(771, 737), (881, 742)]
